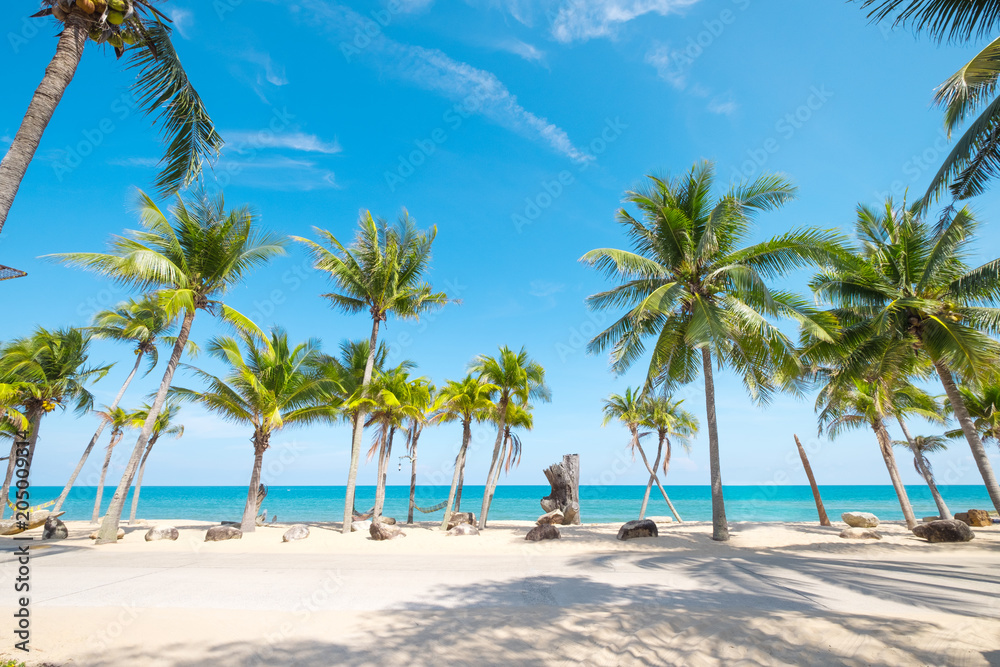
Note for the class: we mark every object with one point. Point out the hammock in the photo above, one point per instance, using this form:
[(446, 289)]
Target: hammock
[(32, 509), (426, 510)]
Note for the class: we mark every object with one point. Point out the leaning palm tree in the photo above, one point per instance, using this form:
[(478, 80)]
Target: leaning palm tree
[(120, 420), (983, 405), (518, 379), (382, 273), (920, 446), (46, 370), (164, 426), (268, 385), (518, 417), (910, 283), (421, 398), (691, 283), (136, 29), (668, 419), (909, 401), (140, 323), (463, 401), (191, 261)]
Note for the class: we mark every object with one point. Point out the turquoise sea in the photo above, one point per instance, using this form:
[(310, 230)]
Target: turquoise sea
[(599, 503)]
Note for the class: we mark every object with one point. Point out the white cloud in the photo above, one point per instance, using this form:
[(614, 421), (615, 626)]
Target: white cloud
[(269, 72), (667, 65), (724, 106), (183, 21), (544, 289), (587, 19), (296, 141), (527, 51), (475, 89)]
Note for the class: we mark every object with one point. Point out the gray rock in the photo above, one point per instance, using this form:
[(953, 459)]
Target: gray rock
[(458, 518), (54, 529), (636, 529), (545, 531), (571, 514), (360, 526), (121, 533), (549, 504), (296, 532), (221, 533), (979, 518), (860, 534), (161, 533), (944, 531), (859, 519), (555, 516), (661, 519), (463, 529), (387, 520), (380, 531)]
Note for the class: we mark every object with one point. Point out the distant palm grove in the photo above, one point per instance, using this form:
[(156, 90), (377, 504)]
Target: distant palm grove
[(901, 323)]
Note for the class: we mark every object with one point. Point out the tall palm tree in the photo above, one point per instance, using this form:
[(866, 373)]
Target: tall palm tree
[(464, 401), (120, 420), (381, 272), (421, 397), (268, 385), (191, 261), (518, 379), (161, 88), (909, 282), (690, 282), (921, 446), (667, 418), (983, 406), (48, 370), (911, 401), (164, 426), (141, 323), (518, 417)]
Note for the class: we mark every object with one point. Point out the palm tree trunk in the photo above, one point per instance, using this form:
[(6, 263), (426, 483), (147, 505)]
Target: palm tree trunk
[(34, 418), (413, 472), (969, 429), (918, 462), (885, 444), (249, 523), (115, 439), (824, 520), (383, 459), (720, 528), (459, 465), (494, 472), (649, 484), (652, 472), (108, 533), (138, 479), (358, 434), (43, 104), (97, 436), (461, 486)]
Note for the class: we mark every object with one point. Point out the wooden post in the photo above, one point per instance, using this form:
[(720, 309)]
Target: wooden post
[(564, 478), (824, 520)]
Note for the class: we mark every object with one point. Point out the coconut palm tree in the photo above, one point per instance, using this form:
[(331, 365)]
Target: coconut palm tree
[(268, 385), (160, 87), (983, 406), (381, 272), (421, 395), (518, 417), (47, 370), (665, 416), (191, 259), (141, 323), (909, 283), (120, 420), (164, 426), (692, 283), (518, 379), (910, 401), (920, 446), (463, 401)]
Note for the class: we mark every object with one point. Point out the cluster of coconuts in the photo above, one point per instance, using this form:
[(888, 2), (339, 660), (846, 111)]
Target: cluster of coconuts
[(109, 19)]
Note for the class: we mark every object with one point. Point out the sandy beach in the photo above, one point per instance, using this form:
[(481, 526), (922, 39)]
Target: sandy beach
[(776, 594)]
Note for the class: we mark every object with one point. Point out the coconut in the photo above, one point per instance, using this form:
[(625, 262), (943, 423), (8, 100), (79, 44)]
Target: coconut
[(96, 34), (115, 40), (86, 6), (118, 5), (128, 38), (114, 18)]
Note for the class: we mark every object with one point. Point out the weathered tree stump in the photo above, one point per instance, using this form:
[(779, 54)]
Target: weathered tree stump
[(564, 478)]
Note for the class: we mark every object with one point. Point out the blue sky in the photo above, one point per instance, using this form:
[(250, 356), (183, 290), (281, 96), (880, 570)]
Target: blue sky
[(515, 127)]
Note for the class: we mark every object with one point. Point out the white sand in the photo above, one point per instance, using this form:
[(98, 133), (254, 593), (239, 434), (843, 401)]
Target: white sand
[(776, 594)]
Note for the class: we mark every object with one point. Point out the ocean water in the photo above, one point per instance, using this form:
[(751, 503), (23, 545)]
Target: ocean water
[(598, 503)]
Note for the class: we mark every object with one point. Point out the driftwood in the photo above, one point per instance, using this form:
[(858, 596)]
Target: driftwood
[(564, 478), (36, 519)]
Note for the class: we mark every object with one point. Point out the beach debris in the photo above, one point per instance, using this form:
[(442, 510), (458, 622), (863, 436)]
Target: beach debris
[(928, 519), (387, 520), (458, 518), (635, 529), (564, 478), (121, 533), (860, 534), (296, 532), (555, 516), (382, 531), (36, 519), (261, 518), (54, 529), (463, 529), (545, 531), (944, 531), (859, 519), (361, 526), (162, 532), (975, 518), (222, 533)]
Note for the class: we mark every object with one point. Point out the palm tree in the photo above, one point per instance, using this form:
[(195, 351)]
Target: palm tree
[(46, 370), (921, 446), (120, 420), (464, 401), (421, 398), (690, 282), (517, 378), (911, 401), (664, 415), (269, 385), (164, 426), (910, 283), (161, 88), (141, 323), (983, 406), (518, 417), (191, 261), (382, 272)]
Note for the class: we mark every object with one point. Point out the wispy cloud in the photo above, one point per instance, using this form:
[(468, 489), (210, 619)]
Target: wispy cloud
[(269, 71), (546, 291), (297, 141), (724, 106), (249, 170), (587, 19), (183, 21), (434, 70), (668, 67), (527, 51)]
